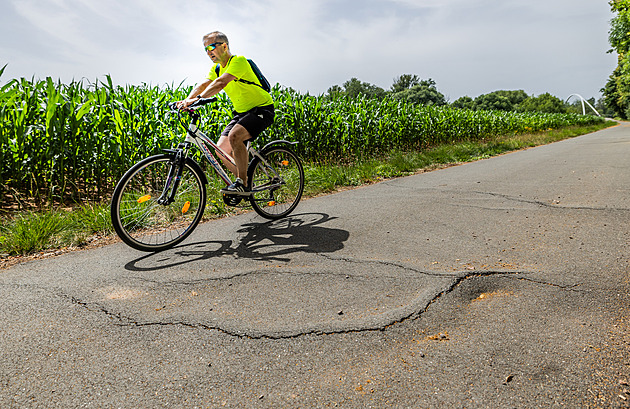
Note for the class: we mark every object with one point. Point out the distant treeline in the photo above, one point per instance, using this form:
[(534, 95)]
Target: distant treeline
[(410, 88)]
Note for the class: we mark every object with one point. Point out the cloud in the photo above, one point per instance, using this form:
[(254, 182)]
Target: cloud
[(468, 48)]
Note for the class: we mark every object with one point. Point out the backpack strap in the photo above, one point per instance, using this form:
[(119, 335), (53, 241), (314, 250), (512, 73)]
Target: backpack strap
[(248, 82), (256, 71), (217, 67)]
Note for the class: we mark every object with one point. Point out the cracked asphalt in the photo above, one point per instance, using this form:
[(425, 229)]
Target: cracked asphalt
[(503, 283)]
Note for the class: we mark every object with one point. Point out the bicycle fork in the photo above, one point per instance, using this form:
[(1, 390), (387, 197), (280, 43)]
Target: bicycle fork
[(174, 176)]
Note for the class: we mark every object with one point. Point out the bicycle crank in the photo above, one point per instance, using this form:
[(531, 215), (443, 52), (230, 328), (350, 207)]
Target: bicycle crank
[(232, 200)]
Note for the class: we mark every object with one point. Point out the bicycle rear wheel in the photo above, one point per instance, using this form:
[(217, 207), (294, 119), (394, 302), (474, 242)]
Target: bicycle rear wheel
[(141, 216), (276, 183)]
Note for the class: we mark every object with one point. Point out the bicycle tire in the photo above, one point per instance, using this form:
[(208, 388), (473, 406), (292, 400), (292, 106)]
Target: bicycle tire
[(285, 173), (144, 224)]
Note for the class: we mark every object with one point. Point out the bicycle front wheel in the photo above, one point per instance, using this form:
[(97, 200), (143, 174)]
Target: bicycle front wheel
[(150, 211), (277, 182)]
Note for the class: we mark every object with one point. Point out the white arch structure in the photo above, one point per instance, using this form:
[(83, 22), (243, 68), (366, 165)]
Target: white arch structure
[(583, 101)]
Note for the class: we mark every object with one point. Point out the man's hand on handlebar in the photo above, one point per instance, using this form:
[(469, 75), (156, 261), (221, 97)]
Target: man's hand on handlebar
[(186, 102), (195, 102)]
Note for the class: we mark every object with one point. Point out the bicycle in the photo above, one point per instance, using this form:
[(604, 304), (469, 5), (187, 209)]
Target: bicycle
[(160, 200)]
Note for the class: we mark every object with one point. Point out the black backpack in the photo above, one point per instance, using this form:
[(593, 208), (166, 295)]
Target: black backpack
[(264, 84)]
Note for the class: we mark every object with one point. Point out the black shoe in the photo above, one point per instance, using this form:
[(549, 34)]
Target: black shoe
[(236, 188)]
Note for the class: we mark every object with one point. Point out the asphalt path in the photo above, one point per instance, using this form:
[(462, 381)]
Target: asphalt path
[(503, 283)]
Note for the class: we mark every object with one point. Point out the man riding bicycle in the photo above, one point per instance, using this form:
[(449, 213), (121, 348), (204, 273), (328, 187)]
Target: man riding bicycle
[(253, 106)]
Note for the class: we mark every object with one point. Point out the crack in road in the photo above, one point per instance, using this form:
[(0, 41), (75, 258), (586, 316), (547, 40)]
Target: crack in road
[(540, 203), (320, 329), (420, 298), (431, 273), (231, 327), (564, 287), (547, 204)]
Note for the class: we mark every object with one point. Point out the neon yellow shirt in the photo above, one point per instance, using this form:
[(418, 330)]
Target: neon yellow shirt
[(243, 96)]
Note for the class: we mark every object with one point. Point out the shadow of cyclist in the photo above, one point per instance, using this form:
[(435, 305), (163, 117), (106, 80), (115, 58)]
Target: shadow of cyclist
[(300, 233)]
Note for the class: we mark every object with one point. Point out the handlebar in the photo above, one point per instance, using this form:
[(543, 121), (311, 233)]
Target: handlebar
[(191, 109), (194, 106)]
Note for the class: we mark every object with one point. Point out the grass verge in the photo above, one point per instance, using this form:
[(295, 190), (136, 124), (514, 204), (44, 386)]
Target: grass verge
[(57, 231)]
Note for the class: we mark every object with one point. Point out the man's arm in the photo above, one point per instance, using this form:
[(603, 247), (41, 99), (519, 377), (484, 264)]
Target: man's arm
[(199, 89), (207, 89), (217, 85)]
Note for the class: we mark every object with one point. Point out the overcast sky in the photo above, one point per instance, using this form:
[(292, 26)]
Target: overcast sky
[(468, 47)]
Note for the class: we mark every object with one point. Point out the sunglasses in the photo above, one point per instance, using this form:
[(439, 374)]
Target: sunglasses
[(211, 47)]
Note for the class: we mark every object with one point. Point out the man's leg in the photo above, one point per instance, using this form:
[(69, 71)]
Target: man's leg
[(237, 137), (224, 145)]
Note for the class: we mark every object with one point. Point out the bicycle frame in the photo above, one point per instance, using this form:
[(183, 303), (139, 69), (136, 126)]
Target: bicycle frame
[(201, 140), (195, 136)]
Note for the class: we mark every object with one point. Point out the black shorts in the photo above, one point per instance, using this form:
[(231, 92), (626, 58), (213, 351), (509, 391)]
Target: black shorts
[(255, 120)]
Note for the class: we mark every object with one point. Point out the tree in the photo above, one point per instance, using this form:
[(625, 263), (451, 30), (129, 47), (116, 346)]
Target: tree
[(464, 102), (611, 96), (405, 82), (354, 88), (543, 103), (617, 90), (502, 100), (335, 91), (423, 93), (515, 97), (493, 102), (603, 109)]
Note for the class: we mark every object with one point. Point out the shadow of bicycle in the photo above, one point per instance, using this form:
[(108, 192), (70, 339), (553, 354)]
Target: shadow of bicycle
[(270, 241)]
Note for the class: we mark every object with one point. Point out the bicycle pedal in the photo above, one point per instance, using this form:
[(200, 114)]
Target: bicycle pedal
[(235, 193), (231, 200)]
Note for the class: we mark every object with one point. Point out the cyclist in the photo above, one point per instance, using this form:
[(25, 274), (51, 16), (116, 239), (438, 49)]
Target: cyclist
[(253, 106)]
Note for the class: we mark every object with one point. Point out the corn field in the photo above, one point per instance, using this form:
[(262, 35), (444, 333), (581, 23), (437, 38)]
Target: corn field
[(71, 142), (330, 129)]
